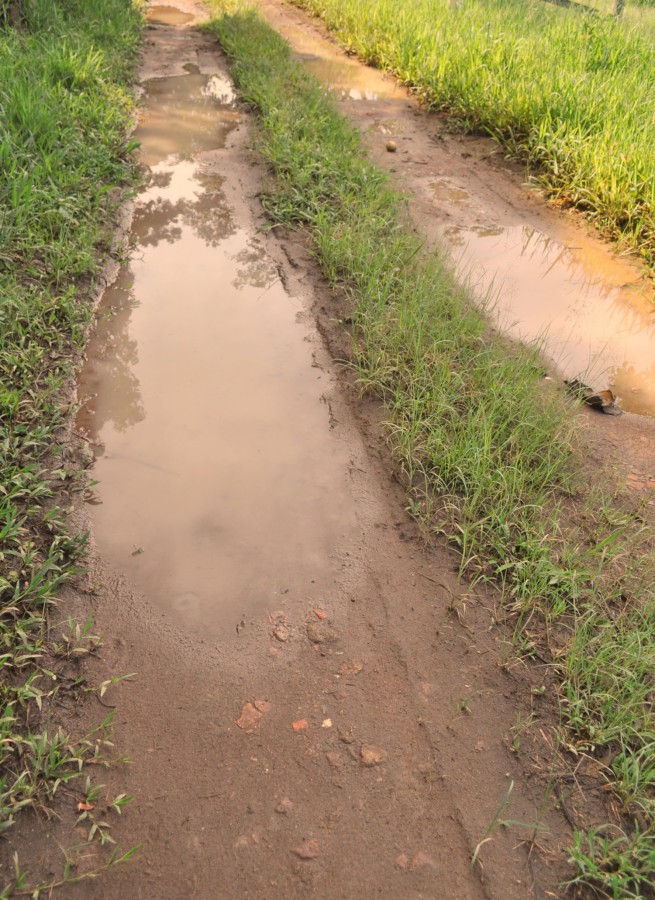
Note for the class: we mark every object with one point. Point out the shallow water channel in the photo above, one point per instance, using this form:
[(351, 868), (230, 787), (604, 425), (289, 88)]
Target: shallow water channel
[(220, 481)]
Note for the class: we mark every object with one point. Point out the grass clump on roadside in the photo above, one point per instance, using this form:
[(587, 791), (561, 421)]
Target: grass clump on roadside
[(564, 90), (65, 107), (484, 446)]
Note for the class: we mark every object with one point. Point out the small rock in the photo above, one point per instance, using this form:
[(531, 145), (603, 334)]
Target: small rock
[(392, 146), (346, 737), (334, 759), (300, 725), (402, 860), (308, 849), (284, 807), (320, 633), (326, 723), (320, 614), (372, 756), (251, 714)]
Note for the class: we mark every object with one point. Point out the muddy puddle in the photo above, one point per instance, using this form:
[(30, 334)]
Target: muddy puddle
[(167, 15), (575, 300), (221, 484), (592, 312), (345, 78)]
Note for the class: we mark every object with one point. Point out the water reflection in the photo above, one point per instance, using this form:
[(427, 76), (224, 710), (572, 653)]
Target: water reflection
[(111, 370), (593, 322), (254, 268), (182, 117), (165, 207), (214, 450)]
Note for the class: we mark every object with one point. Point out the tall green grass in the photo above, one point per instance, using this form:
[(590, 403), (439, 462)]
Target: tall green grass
[(568, 92), (65, 107), (485, 448)]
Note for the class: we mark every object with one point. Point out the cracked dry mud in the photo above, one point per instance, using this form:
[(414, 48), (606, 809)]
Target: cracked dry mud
[(319, 707)]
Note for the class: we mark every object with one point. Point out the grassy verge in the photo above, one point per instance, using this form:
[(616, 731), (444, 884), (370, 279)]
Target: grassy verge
[(565, 91), (485, 448), (65, 106)]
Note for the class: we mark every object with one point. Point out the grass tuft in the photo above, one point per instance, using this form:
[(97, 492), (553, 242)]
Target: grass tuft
[(65, 107)]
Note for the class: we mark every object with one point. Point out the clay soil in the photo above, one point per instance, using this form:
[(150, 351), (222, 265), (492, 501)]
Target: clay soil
[(355, 734)]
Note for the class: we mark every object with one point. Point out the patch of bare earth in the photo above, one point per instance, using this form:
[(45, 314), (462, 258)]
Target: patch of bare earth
[(356, 725)]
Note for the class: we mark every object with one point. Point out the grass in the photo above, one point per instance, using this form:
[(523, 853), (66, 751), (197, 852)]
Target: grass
[(565, 91), (65, 107), (486, 449)]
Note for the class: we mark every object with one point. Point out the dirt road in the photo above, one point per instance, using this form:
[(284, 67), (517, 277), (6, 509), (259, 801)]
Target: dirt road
[(335, 718)]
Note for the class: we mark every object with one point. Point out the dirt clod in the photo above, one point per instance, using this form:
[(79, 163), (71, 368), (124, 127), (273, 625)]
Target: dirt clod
[(308, 849), (335, 759), (284, 807), (372, 756), (320, 633), (351, 668), (282, 633)]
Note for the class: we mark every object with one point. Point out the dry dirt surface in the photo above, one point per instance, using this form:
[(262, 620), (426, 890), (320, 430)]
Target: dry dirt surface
[(350, 725)]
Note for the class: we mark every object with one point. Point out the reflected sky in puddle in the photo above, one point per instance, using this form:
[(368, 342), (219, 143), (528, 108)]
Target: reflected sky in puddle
[(594, 324), (219, 478)]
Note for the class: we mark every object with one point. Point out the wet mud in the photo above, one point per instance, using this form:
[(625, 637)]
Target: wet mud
[(168, 15)]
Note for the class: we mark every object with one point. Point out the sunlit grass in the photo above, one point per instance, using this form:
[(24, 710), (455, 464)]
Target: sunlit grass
[(65, 106), (568, 92)]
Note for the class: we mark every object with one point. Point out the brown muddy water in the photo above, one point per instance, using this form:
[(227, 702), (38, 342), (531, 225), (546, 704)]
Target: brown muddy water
[(346, 78), (167, 15), (592, 312), (572, 299), (220, 481)]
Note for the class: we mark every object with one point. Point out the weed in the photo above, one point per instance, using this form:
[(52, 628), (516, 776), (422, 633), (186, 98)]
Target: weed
[(499, 821)]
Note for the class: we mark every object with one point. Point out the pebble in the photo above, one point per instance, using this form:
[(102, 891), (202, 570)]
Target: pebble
[(392, 146)]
